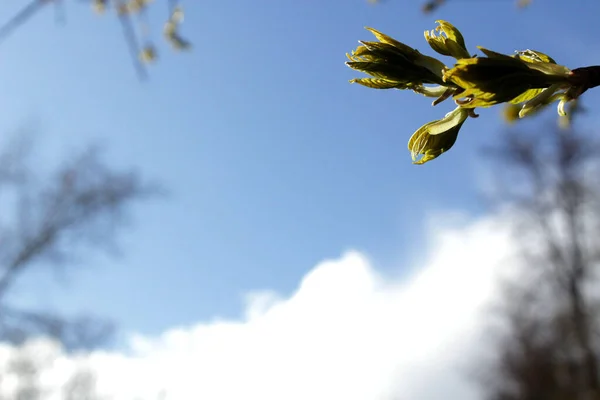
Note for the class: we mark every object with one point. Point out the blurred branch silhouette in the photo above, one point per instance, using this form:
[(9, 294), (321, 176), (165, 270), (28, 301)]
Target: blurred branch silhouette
[(81, 386), (431, 6), (141, 48), (550, 349), (29, 372), (47, 219)]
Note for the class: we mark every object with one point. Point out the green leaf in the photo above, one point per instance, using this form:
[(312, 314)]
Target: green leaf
[(436, 137), (395, 62), (498, 78), (395, 72), (449, 42), (525, 96), (383, 38), (542, 99), (431, 91), (406, 62), (377, 83), (535, 56)]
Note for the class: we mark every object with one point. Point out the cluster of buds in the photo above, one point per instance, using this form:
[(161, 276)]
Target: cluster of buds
[(528, 79), (125, 8)]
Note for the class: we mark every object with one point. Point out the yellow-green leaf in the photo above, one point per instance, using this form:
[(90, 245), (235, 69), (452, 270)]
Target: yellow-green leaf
[(436, 137), (449, 42), (525, 96), (377, 83), (535, 56)]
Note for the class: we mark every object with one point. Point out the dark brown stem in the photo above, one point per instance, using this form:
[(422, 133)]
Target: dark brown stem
[(584, 78)]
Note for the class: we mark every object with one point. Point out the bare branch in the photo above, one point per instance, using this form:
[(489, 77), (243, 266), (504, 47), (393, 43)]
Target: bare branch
[(23, 16), (82, 203), (126, 11), (552, 353), (82, 194), (83, 332)]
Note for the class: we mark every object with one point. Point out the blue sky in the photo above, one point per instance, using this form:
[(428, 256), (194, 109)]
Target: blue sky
[(272, 160)]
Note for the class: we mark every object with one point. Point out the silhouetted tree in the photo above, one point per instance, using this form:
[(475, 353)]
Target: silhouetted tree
[(47, 219), (29, 372), (81, 386), (549, 346)]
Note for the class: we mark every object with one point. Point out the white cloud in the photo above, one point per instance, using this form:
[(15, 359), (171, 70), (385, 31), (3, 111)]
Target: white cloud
[(347, 332)]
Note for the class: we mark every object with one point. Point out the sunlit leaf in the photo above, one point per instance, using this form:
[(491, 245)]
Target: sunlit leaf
[(436, 137), (449, 42)]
